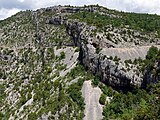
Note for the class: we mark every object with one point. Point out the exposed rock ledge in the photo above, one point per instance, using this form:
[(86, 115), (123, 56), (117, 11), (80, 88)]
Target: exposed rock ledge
[(110, 72)]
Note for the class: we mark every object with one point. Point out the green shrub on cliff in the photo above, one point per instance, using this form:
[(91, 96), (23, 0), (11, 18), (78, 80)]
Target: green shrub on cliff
[(2, 93), (102, 99), (75, 93), (96, 80), (151, 54)]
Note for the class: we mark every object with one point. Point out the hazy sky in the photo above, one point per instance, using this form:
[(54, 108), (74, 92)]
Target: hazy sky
[(10, 7)]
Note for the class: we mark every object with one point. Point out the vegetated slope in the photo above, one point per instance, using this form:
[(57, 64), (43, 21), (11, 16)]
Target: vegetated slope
[(140, 103), (37, 84), (41, 51), (40, 74)]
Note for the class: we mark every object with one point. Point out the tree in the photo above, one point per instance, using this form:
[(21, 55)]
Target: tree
[(153, 51), (96, 80), (102, 99), (62, 55), (32, 116)]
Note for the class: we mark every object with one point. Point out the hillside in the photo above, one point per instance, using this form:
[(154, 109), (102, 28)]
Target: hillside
[(50, 56)]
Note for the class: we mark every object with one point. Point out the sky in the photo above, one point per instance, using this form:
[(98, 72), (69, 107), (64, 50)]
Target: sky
[(10, 7)]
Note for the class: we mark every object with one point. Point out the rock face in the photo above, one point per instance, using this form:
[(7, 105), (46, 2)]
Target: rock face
[(95, 50), (110, 72), (40, 51)]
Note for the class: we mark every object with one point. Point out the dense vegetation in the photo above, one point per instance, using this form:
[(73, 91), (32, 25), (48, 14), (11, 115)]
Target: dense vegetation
[(2, 96), (47, 89), (139, 104), (142, 22), (74, 92)]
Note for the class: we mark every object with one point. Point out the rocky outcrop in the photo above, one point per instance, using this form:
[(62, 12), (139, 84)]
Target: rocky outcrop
[(40, 75), (96, 61), (110, 72)]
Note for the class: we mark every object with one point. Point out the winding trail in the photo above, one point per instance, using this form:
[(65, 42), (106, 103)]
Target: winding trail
[(93, 110)]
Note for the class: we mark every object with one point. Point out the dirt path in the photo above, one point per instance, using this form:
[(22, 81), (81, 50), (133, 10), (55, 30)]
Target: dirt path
[(93, 110)]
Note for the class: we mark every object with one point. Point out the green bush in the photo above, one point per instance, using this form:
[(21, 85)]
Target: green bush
[(75, 93), (32, 116), (102, 99), (76, 71), (62, 55), (116, 59), (1, 116), (110, 92), (2, 92), (153, 51), (96, 80), (50, 53), (77, 49), (134, 105), (98, 49)]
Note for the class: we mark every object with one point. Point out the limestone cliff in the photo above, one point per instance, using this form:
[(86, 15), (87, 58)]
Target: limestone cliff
[(95, 52), (47, 54)]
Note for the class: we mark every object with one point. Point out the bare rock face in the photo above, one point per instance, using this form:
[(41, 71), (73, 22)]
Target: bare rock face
[(110, 72), (95, 49), (127, 53)]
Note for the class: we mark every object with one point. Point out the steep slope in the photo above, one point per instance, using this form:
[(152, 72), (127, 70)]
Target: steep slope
[(111, 72), (38, 73), (37, 83), (42, 53), (140, 103), (127, 53)]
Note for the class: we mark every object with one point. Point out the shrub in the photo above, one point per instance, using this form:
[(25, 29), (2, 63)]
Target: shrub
[(62, 55), (110, 92), (102, 99), (77, 49), (116, 59), (1, 115), (77, 71), (75, 93), (32, 116), (96, 80), (2, 92), (153, 51), (50, 53)]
